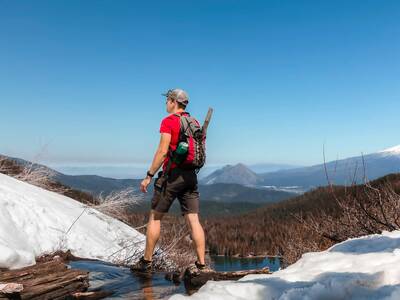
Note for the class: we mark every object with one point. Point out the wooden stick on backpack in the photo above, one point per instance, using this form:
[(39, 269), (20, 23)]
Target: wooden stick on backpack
[(207, 121)]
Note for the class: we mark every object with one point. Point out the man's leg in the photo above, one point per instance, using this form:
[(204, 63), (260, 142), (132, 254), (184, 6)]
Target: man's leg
[(152, 233), (197, 232)]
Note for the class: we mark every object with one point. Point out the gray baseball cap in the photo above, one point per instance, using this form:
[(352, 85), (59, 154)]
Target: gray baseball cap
[(178, 95)]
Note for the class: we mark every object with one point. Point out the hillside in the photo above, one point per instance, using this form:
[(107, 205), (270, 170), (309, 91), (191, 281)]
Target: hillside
[(207, 208), (273, 229), (92, 184), (97, 184)]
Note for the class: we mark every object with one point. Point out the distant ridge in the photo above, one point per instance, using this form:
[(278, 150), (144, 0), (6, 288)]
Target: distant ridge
[(228, 193), (342, 172), (92, 184), (297, 180)]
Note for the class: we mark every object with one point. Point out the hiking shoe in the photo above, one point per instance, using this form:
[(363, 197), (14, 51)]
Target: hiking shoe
[(203, 268), (142, 266), (197, 268)]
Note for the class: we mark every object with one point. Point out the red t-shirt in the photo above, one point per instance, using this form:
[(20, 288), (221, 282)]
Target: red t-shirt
[(171, 125)]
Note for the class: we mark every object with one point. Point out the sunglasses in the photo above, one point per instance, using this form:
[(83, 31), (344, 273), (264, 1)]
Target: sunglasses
[(169, 94)]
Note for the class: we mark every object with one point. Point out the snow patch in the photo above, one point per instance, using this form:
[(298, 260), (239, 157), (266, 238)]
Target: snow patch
[(361, 268), (391, 151), (211, 181), (34, 221)]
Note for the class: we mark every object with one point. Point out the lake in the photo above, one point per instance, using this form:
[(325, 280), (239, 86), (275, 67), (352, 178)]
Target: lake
[(126, 285)]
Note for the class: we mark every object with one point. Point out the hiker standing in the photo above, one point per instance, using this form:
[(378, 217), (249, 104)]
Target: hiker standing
[(180, 153)]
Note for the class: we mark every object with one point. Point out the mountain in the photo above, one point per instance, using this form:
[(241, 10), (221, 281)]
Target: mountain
[(289, 181), (300, 179), (134, 171), (210, 194), (239, 174), (342, 172), (270, 167), (97, 184), (92, 184), (220, 192), (126, 171)]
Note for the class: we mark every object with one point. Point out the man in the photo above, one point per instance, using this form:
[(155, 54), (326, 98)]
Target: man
[(181, 184)]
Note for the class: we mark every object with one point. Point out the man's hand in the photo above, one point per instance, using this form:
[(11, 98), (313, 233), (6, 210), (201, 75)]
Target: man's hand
[(144, 184)]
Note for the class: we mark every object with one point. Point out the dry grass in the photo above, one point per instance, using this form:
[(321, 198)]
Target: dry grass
[(118, 203)]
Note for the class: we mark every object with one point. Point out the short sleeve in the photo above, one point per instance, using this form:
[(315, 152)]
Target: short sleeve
[(166, 126)]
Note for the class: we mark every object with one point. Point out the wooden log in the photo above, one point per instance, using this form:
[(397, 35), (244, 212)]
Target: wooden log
[(48, 280), (194, 279), (53, 277), (64, 285), (31, 271), (62, 293), (64, 256)]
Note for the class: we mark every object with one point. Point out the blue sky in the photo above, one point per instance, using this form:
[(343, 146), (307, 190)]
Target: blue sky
[(83, 78)]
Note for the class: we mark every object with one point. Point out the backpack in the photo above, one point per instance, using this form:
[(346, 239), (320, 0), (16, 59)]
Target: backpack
[(191, 132)]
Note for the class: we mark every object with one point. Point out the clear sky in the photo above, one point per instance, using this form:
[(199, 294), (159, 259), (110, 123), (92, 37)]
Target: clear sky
[(84, 78)]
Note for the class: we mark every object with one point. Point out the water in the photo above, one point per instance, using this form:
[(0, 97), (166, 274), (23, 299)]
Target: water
[(126, 285), (222, 263)]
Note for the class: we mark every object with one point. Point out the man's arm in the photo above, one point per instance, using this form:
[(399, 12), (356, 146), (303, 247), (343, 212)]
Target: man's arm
[(159, 156), (161, 153)]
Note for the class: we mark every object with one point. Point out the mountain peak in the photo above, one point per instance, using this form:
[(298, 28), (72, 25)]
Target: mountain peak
[(238, 173), (391, 150), (241, 166)]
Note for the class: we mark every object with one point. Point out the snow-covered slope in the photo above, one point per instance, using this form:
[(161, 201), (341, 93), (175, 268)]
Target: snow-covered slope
[(362, 268), (34, 221)]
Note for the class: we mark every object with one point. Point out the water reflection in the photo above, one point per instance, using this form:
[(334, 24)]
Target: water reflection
[(146, 285)]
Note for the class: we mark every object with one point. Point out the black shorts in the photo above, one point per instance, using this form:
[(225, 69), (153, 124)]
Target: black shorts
[(181, 184)]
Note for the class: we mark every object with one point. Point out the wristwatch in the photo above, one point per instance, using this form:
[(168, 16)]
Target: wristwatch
[(149, 174)]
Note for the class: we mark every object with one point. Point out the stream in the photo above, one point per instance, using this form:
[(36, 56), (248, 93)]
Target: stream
[(126, 285)]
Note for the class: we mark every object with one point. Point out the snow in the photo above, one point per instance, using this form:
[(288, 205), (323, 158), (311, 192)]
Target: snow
[(361, 268), (290, 189), (211, 181), (34, 221), (391, 151)]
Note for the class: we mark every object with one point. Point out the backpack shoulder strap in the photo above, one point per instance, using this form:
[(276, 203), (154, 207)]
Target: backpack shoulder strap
[(185, 125), (190, 126), (182, 114)]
